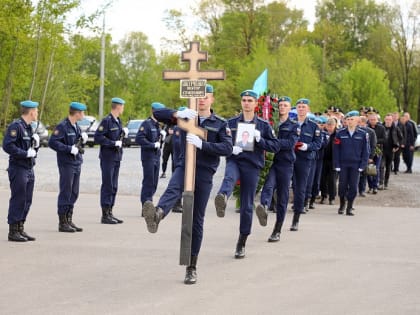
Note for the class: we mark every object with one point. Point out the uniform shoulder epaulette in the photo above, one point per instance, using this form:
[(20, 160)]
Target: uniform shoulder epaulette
[(293, 120), (234, 117), (220, 118), (341, 129), (262, 119)]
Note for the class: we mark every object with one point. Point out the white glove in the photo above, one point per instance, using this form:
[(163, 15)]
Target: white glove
[(74, 150), (118, 143), (125, 130), (236, 150), (157, 145), (30, 153), (195, 140), (163, 134), (186, 113), (338, 169), (35, 136), (303, 147), (84, 137), (257, 135), (360, 170)]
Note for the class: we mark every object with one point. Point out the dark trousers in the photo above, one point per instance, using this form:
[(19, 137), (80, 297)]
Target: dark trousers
[(69, 187), (166, 153), (386, 167), (328, 181), (202, 189), (397, 159), (110, 172), (347, 182), (150, 178), (311, 177), (22, 181), (248, 175), (301, 172), (317, 178), (283, 173), (408, 157)]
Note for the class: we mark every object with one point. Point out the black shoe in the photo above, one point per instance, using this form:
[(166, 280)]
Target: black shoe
[(23, 233), (342, 205), (63, 224), (152, 216), (190, 275), (114, 218), (220, 203), (106, 217), (275, 236), (395, 172), (331, 202), (375, 191), (177, 209), (322, 200), (240, 246), (408, 172), (70, 222), (362, 195), (369, 191), (262, 214), (294, 227), (14, 234)]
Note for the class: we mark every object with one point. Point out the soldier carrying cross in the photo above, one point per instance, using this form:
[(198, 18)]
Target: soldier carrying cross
[(203, 163)]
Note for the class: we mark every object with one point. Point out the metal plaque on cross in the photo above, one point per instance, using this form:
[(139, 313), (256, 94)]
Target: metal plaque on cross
[(194, 56)]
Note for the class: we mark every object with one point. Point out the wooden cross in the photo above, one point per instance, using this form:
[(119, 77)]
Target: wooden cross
[(194, 56)]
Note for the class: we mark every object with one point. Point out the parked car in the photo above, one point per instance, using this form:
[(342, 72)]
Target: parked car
[(42, 131), (417, 144), (91, 133), (86, 123), (133, 126)]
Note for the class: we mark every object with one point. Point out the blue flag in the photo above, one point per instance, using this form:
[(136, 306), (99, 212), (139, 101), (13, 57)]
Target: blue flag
[(261, 84)]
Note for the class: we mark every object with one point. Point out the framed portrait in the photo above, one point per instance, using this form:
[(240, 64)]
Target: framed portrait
[(245, 135)]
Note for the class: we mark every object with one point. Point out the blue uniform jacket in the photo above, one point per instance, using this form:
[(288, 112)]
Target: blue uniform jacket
[(351, 151), (65, 135), (109, 131), (219, 140), (147, 136), (16, 143), (268, 141), (324, 142), (287, 136), (310, 134)]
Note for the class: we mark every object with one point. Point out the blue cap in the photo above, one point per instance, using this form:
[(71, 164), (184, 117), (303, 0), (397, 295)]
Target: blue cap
[(353, 113), (209, 88), (182, 107), (77, 106), (157, 105), (29, 104), (251, 93), (285, 99), (311, 116), (302, 101), (293, 114), (117, 100)]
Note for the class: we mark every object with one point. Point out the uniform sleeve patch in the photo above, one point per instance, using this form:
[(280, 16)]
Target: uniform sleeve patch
[(101, 128), (13, 133), (228, 132), (56, 132), (317, 133), (141, 128)]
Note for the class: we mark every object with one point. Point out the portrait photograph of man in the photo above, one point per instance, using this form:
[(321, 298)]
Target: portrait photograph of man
[(245, 136)]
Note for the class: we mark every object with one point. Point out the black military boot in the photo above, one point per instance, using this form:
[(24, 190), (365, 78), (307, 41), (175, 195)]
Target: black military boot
[(23, 233), (322, 201), (275, 236), (311, 203), (262, 214), (342, 205), (305, 206), (349, 209), (63, 225), (240, 246), (178, 207), (191, 272), (14, 234), (106, 217), (295, 222), (70, 222), (152, 216), (114, 218)]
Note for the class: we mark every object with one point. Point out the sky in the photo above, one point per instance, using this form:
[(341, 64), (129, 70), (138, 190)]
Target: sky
[(125, 16)]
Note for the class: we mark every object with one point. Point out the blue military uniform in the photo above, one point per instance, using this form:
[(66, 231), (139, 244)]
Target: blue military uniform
[(63, 140), (17, 141), (219, 143), (350, 157), (107, 134), (147, 137)]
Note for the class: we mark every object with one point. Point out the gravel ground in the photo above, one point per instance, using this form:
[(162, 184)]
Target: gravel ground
[(403, 188)]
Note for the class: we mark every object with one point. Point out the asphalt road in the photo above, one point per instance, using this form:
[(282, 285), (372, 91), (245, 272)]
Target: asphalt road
[(366, 264)]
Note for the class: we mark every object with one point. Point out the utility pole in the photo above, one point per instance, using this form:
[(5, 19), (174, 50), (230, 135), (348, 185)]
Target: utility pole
[(102, 72)]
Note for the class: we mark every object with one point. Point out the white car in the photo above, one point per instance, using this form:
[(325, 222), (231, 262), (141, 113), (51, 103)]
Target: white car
[(417, 144)]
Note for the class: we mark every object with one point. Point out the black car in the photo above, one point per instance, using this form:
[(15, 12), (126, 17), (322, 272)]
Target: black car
[(133, 126), (41, 130)]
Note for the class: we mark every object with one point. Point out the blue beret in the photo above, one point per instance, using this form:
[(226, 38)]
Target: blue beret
[(323, 119), (156, 105), (209, 88), (77, 106), (118, 100), (302, 101), (251, 93), (29, 104), (285, 99), (182, 107), (353, 113), (311, 116), (293, 114)]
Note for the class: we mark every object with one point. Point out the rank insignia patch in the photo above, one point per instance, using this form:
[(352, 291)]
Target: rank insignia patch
[(141, 128), (101, 128), (317, 133), (13, 133), (56, 132)]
